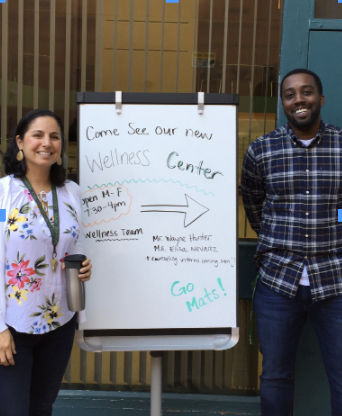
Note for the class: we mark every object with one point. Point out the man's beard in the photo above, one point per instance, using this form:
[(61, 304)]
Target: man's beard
[(305, 125)]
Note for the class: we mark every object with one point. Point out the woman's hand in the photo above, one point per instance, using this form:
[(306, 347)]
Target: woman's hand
[(86, 270), (7, 348)]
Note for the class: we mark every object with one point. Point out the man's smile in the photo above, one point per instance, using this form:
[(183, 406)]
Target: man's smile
[(301, 112)]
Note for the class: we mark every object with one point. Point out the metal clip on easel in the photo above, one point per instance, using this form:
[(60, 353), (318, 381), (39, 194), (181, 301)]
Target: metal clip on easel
[(201, 103), (118, 102)]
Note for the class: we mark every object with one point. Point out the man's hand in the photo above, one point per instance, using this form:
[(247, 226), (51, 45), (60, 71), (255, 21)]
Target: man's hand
[(7, 348)]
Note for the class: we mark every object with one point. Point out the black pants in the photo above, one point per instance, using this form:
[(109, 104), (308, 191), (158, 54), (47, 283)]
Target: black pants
[(30, 387)]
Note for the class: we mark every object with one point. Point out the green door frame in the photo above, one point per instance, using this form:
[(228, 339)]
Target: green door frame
[(298, 21)]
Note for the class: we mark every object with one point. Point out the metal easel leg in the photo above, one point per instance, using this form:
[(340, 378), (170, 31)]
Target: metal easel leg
[(156, 383)]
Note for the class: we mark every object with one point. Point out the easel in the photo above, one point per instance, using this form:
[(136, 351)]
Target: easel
[(156, 383), (182, 331)]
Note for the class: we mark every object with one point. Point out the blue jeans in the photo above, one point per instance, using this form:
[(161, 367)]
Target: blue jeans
[(30, 386), (280, 321)]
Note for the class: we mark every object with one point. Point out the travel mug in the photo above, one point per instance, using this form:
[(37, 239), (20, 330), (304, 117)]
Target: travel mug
[(74, 285)]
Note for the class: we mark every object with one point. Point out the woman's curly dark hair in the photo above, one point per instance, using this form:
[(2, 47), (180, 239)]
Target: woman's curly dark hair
[(18, 169)]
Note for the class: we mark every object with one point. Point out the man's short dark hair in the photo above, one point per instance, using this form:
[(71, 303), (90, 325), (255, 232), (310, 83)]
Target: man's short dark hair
[(317, 79)]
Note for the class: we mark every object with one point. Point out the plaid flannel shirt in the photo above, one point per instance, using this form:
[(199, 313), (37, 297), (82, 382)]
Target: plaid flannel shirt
[(291, 195)]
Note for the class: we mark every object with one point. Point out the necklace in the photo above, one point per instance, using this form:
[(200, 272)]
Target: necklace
[(54, 229)]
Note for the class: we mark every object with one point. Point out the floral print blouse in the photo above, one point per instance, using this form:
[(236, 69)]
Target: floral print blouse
[(36, 296)]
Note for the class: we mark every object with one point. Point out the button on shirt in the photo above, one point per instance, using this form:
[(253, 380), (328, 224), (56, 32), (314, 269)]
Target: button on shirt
[(291, 196), (304, 280)]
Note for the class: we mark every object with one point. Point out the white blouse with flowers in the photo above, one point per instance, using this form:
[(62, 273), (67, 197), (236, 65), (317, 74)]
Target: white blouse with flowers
[(36, 296)]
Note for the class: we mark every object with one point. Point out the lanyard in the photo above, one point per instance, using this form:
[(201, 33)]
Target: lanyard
[(54, 229)]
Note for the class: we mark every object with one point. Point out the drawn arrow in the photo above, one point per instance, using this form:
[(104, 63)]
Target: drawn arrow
[(192, 210)]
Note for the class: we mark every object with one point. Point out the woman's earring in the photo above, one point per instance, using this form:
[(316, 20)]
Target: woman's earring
[(20, 155), (59, 161)]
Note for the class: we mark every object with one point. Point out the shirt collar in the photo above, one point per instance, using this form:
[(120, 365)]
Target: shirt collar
[(318, 138)]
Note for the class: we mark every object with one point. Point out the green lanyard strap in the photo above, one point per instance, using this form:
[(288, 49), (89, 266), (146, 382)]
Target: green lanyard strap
[(252, 317), (54, 229)]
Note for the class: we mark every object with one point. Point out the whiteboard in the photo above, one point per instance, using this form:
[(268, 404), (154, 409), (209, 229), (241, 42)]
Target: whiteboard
[(159, 218)]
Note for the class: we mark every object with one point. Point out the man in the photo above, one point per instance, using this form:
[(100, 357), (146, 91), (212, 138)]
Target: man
[(292, 190)]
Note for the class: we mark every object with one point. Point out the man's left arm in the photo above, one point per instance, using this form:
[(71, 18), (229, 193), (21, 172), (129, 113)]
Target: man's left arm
[(253, 190)]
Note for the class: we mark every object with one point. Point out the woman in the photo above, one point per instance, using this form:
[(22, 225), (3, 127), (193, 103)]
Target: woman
[(42, 227)]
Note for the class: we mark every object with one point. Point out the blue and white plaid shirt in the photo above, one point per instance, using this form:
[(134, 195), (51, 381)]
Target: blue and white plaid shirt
[(291, 195)]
